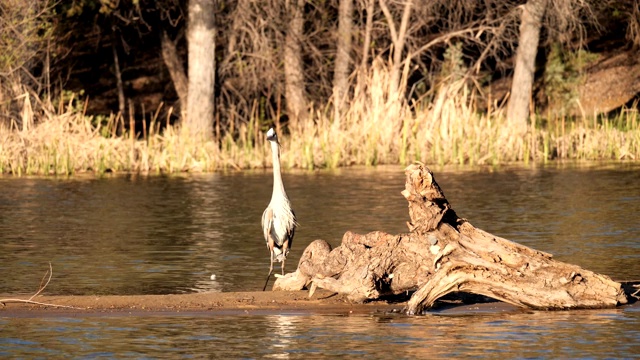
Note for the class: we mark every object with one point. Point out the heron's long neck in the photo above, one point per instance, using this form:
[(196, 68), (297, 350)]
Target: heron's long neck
[(278, 186)]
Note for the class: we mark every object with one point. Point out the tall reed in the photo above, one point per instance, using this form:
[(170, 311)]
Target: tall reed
[(380, 127)]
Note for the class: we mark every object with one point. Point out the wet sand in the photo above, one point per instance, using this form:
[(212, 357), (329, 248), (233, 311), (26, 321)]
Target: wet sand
[(237, 303), (212, 302), (216, 303)]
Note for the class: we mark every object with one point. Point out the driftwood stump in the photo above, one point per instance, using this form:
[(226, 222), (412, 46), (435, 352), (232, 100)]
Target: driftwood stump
[(442, 254)]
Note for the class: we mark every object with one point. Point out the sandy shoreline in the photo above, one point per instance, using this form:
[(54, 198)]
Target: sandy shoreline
[(215, 303), (212, 302), (223, 303)]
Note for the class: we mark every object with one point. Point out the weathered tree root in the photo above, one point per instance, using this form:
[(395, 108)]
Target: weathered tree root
[(442, 254)]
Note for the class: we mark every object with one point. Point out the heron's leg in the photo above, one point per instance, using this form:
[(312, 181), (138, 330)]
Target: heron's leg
[(270, 271), (285, 250)]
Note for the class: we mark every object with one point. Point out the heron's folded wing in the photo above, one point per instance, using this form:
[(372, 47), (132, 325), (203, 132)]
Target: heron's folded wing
[(267, 222)]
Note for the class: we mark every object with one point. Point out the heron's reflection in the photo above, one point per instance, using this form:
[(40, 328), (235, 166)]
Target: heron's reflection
[(283, 328)]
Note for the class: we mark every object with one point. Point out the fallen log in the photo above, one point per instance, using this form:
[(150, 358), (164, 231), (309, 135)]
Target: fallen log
[(441, 254)]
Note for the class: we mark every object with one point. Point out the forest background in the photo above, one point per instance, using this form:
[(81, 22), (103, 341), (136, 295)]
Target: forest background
[(174, 85)]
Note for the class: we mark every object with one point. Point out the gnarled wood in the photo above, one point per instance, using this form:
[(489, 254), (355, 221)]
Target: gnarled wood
[(442, 254)]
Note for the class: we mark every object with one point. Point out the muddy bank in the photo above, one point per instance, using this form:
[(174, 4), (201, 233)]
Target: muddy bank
[(244, 303), (216, 303)]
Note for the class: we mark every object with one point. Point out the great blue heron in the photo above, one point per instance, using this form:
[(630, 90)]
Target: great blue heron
[(278, 220)]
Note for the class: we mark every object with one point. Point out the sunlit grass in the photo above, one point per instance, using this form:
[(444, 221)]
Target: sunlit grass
[(379, 128)]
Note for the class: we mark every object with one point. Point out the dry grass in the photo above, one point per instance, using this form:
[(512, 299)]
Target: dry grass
[(380, 128)]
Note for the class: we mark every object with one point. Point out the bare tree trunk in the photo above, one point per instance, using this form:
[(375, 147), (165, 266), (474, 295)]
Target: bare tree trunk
[(118, 74), (443, 254), (368, 29), (200, 97), (398, 38), (175, 68), (296, 98), (343, 59), (531, 22)]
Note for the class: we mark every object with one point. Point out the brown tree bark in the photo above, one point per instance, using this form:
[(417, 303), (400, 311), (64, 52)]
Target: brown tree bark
[(201, 48), (442, 254), (118, 74), (523, 76), (343, 59), (296, 98), (175, 68)]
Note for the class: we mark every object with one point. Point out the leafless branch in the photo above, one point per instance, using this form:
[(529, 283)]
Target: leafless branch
[(43, 284)]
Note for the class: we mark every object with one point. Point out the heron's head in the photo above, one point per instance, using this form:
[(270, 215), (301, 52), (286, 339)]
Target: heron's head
[(271, 135)]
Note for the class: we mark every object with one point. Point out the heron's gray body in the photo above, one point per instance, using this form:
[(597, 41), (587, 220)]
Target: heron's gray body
[(278, 220)]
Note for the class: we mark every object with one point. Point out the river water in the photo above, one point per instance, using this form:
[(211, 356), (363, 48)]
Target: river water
[(169, 234)]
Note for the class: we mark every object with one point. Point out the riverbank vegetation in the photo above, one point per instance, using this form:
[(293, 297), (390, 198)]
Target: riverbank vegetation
[(98, 86), (448, 131)]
